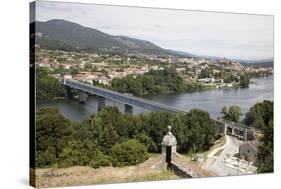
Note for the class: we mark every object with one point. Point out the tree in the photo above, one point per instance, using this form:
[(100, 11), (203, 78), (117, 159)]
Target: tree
[(158, 122), (147, 141), (231, 114), (103, 128), (244, 81), (83, 153), (261, 116), (48, 87), (155, 81), (205, 73), (228, 77), (201, 129), (265, 154), (111, 137), (148, 84), (52, 133), (130, 152)]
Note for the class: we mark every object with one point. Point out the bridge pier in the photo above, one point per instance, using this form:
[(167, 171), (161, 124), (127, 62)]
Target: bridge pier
[(245, 133), (82, 97), (69, 93), (225, 129), (101, 103), (232, 131), (128, 109)]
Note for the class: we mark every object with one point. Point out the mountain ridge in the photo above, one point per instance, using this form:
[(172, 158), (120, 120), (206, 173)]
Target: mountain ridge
[(77, 36), (66, 35)]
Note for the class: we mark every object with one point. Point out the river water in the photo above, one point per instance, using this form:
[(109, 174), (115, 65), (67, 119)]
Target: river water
[(209, 100)]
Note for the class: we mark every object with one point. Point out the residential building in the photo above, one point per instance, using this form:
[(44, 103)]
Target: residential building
[(249, 151)]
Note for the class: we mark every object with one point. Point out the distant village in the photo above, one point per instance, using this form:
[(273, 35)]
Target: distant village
[(103, 68)]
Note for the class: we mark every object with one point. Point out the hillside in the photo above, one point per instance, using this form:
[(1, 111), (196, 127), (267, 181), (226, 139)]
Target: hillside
[(81, 175), (61, 34), (265, 64)]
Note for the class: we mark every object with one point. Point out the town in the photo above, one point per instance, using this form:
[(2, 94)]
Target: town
[(101, 68)]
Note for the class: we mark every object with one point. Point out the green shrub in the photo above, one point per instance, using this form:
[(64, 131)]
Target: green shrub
[(47, 86), (83, 153), (147, 141), (52, 133), (130, 152)]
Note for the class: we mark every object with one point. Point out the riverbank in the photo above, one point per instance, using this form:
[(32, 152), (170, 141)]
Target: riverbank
[(211, 100)]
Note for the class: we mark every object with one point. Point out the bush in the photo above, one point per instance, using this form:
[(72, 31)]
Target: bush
[(261, 117), (47, 86), (52, 133), (83, 153), (130, 152), (147, 141)]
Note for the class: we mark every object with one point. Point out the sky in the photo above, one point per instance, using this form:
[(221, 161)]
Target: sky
[(242, 36)]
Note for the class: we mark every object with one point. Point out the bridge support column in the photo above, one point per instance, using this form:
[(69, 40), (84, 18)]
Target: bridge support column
[(232, 131), (245, 134), (225, 129), (128, 109), (82, 97), (69, 93), (101, 103)]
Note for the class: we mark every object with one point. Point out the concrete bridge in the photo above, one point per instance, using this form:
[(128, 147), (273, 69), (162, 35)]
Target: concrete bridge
[(241, 131), (128, 101)]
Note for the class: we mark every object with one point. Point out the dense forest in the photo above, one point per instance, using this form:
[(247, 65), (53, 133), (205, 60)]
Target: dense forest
[(47, 86), (153, 82), (110, 137)]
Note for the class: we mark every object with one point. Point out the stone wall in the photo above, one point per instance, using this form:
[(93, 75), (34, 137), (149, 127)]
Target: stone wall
[(181, 171)]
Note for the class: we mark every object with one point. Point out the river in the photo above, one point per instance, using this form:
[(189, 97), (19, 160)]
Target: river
[(209, 100)]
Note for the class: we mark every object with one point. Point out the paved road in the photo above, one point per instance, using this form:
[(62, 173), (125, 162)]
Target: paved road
[(217, 164)]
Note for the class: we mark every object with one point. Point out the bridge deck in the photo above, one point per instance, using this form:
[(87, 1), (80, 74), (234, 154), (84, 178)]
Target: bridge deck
[(119, 97)]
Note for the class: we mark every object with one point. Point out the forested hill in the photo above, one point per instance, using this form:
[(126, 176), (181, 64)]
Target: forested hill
[(257, 63), (265, 64), (58, 34)]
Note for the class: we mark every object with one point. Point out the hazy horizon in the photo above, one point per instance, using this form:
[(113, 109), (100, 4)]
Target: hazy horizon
[(230, 35)]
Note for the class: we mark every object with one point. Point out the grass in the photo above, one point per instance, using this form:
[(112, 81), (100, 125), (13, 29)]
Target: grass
[(221, 142), (186, 161), (164, 175), (82, 175), (153, 154)]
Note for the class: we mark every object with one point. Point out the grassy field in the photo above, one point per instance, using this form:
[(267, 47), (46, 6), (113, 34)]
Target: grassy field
[(148, 171)]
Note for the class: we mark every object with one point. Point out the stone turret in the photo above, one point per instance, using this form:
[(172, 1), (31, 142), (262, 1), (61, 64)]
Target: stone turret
[(169, 146)]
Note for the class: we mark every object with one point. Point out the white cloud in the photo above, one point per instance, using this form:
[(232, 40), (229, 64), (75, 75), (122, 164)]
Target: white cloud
[(204, 33)]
